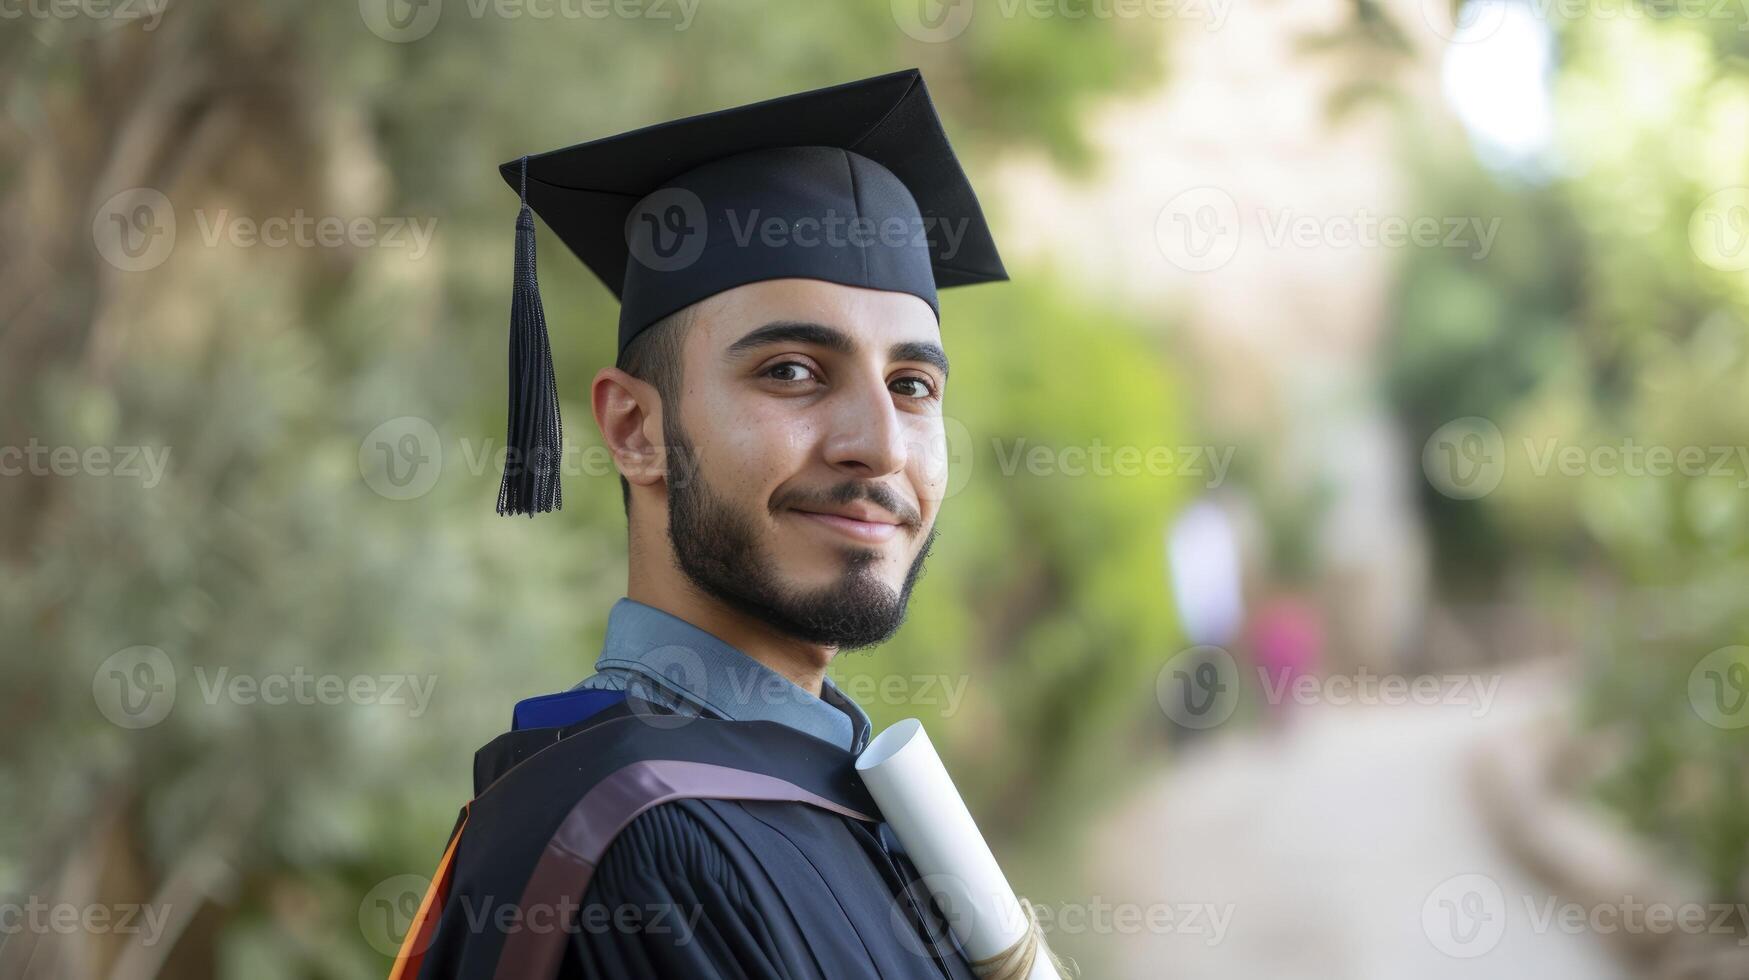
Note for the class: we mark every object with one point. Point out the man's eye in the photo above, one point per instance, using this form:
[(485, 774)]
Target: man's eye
[(791, 371), (913, 387)]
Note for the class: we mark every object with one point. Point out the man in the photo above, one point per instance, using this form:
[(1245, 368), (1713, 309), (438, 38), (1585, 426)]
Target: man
[(775, 414)]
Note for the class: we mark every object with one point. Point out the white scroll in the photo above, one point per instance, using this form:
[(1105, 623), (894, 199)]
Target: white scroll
[(918, 798)]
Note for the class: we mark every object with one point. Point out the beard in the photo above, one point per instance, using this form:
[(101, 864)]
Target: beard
[(717, 547)]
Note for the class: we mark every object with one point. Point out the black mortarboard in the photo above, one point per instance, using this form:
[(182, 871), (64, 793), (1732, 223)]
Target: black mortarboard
[(854, 184)]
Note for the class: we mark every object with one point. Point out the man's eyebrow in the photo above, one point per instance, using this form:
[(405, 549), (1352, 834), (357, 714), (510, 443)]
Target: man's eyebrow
[(833, 339), (791, 332), (917, 350)]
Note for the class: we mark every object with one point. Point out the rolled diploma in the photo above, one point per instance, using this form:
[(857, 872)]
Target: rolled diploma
[(918, 798)]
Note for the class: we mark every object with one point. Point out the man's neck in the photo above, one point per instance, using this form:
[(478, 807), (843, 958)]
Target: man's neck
[(803, 663)]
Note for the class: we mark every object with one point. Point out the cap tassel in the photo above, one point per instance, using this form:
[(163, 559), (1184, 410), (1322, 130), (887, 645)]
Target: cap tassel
[(534, 437)]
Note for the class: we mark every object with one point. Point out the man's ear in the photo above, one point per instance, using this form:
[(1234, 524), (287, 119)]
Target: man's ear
[(629, 413)]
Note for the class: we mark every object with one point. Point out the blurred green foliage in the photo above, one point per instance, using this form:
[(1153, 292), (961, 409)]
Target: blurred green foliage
[(1609, 317), (262, 371)]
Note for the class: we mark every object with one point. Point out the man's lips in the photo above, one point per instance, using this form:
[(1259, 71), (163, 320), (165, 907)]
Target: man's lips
[(875, 530)]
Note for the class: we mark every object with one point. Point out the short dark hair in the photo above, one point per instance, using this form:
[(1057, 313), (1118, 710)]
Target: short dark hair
[(653, 357)]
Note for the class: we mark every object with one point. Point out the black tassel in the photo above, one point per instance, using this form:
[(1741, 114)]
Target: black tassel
[(534, 440)]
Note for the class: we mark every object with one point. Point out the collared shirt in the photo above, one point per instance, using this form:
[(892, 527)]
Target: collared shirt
[(690, 669)]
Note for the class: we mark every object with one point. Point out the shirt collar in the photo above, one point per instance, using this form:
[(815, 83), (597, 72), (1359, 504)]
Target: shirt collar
[(701, 668)]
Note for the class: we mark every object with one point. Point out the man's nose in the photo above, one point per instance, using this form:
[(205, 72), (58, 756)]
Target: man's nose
[(867, 435)]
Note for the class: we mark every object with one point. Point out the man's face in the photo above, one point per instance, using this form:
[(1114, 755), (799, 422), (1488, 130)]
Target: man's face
[(806, 468)]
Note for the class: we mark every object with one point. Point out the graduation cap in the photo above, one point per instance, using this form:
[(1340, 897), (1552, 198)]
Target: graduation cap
[(853, 184)]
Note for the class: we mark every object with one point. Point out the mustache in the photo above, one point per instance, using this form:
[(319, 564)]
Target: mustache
[(878, 494)]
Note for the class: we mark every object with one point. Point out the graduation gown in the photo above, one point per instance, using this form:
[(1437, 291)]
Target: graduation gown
[(641, 844)]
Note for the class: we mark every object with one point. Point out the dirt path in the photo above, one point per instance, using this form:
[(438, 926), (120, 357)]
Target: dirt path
[(1340, 847)]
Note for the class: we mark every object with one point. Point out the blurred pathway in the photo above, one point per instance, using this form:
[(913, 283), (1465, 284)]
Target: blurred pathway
[(1323, 843)]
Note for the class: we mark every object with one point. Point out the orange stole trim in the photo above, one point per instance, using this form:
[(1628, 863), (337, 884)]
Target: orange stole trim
[(424, 924)]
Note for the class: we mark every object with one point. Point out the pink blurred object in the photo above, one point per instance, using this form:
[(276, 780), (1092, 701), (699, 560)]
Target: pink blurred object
[(1287, 642)]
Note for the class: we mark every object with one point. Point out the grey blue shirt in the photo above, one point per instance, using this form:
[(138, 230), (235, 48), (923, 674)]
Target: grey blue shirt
[(689, 669)]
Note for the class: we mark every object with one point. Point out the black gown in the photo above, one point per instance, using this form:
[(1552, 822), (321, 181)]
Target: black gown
[(641, 844)]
